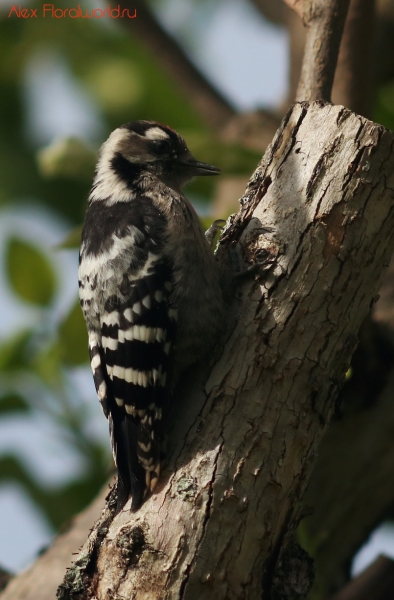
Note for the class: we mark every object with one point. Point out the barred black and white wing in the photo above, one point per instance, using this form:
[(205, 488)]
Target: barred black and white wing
[(130, 366), (125, 290)]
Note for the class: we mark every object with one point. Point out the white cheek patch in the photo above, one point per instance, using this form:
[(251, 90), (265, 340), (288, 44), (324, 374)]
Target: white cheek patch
[(156, 133), (107, 185)]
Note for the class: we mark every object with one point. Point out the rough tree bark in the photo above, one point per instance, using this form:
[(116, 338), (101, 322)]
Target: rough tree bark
[(350, 487), (221, 523)]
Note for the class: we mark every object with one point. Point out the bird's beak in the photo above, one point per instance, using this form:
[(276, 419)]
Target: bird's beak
[(196, 168)]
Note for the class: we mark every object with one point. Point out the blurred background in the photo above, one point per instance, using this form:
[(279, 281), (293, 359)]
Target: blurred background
[(223, 75)]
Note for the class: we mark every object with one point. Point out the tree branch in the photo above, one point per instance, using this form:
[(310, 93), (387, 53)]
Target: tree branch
[(375, 583), (351, 485), (324, 22), (204, 98), (40, 581), (353, 81)]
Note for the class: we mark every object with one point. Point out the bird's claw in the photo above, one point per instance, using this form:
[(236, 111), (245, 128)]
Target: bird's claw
[(216, 227)]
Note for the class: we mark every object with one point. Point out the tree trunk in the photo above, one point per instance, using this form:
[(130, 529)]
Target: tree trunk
[(246, 433), (41, 580)]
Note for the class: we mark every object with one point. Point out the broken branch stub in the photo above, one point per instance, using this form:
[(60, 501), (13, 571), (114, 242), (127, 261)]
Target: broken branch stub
[(297, 5), (248, 434)]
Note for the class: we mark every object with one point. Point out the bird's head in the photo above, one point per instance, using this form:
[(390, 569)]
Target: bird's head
[(143, 147)]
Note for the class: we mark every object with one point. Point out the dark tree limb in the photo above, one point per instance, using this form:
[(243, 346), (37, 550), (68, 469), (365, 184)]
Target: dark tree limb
[(353, 77), (201, 94), (5, 578), (375, 583), (41, 580), (351, 487)]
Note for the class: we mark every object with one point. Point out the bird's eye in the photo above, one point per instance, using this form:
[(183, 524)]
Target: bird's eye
[(162, 146)]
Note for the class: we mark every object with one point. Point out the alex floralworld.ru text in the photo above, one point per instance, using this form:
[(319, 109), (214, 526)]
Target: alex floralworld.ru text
[(49, 10)]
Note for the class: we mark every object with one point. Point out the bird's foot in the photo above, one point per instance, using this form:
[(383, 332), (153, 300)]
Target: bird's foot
[(216, 227)]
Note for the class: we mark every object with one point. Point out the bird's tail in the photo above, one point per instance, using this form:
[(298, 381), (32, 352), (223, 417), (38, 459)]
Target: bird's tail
[(131, 474)]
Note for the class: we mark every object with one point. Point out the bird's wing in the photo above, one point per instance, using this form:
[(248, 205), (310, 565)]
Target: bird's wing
[(137, 350), (130, 356), (136, 340)]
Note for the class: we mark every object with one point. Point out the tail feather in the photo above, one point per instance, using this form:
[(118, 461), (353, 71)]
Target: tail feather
[(131, 475)]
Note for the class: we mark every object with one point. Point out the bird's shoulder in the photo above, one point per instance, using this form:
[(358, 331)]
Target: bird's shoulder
[(139, 222)]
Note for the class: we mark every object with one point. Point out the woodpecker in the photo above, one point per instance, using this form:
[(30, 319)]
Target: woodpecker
[(150, 290)]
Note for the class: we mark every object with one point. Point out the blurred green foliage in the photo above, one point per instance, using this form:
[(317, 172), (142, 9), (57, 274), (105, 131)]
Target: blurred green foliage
[(24, 262), (384, 106), (73, 337), (69, 158)]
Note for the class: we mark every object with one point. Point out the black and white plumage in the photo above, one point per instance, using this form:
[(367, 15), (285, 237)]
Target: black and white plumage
[(150, 290)]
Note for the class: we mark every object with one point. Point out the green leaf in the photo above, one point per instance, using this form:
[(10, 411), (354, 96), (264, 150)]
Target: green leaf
[(12, 403), (67, 157), (72, 239), (47, 364), (73, 338), (116, 83), (14, 354), (30, 273)]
